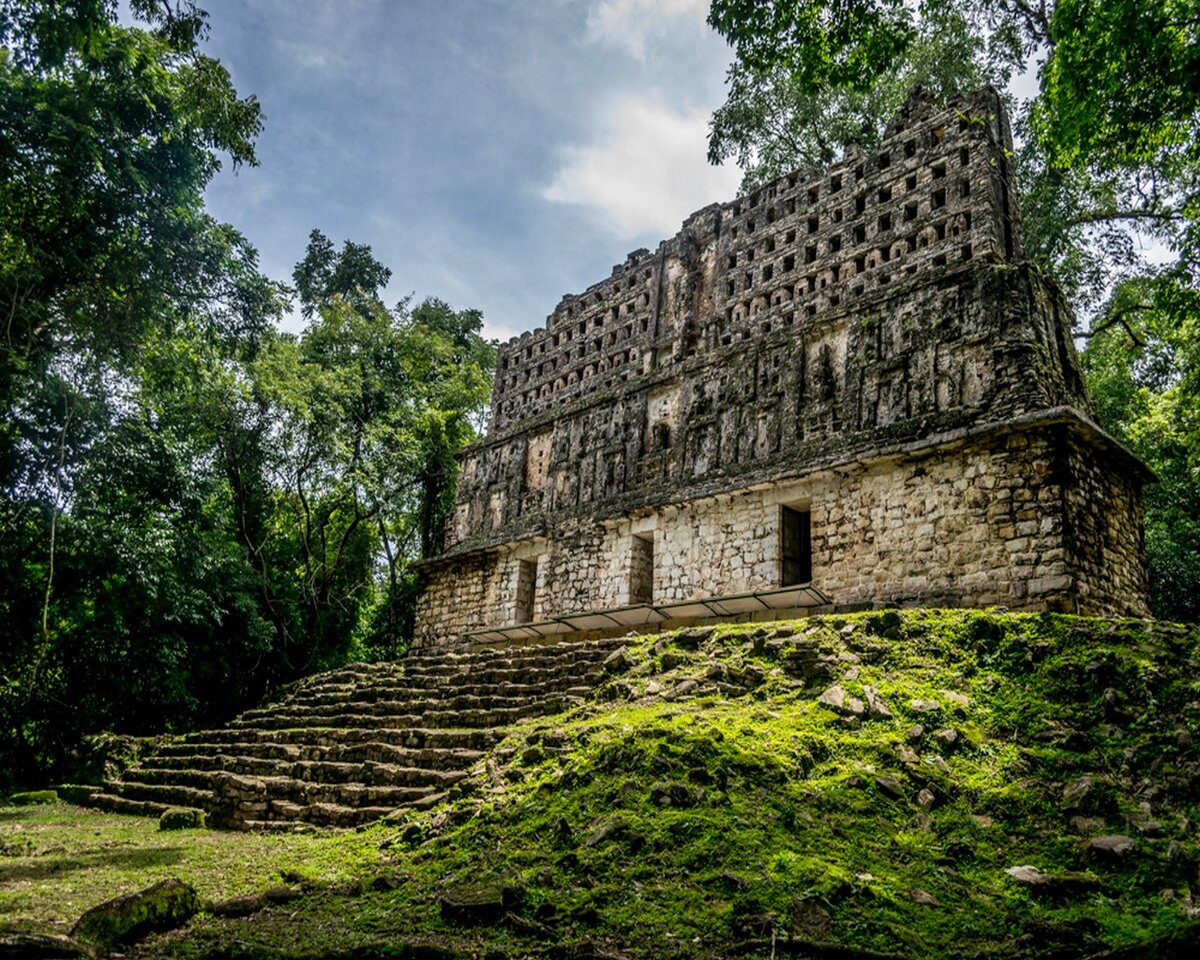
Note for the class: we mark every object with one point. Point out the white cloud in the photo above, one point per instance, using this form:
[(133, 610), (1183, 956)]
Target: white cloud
[(646, 170), (628, 23)]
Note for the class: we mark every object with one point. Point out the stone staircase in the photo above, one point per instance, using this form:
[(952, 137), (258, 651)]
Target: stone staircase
[(351, 745)]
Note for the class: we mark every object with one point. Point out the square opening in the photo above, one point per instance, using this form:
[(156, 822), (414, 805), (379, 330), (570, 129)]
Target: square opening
[(795, 538), (526, 593), (641, 569)]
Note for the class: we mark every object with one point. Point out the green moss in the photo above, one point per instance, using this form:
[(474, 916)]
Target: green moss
[(160, 907), (675, 824), (181, 818), (31, 797), (76, 793)]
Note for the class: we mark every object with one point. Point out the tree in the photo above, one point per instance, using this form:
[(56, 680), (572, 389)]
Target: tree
[(1133, 359), (109, 268), (783, 112), (194, 507), (1115, 127)]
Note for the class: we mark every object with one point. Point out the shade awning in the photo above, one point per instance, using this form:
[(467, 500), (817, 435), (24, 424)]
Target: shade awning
[(638, 615)]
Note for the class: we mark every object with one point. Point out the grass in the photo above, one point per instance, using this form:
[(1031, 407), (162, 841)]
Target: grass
[(675, 821), (57, 861)]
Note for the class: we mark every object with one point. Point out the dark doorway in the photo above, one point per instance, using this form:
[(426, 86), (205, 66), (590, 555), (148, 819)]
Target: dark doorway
[(526, 590), (796, 535), (641, 570)]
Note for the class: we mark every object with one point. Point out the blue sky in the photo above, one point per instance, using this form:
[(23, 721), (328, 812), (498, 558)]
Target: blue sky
[(494, 153)]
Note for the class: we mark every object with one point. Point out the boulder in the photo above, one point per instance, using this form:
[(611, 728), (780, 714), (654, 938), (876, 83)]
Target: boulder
[(836, 699), (618, 661), (876, 705), (123, 919), (181, 818), (31, 797), (42, 946), (476, 904), (1111, 847), (251, 903)]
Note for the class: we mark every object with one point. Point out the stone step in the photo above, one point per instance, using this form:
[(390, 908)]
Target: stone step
[(184, 755), (263, 791), (551, 661), (113, 803), (361, 706), (285, 717), (413, 738), (351, 745), (323, 814), (166, 794), (460, 680), (198, 772), (401, 691)]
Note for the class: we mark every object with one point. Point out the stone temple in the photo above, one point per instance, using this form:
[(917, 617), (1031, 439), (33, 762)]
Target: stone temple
[(847, 389)]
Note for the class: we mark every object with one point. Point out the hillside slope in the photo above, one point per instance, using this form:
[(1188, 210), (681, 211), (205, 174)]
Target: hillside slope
[(915, 783)]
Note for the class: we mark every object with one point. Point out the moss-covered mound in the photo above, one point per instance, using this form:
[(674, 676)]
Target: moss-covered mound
[(922, 784)]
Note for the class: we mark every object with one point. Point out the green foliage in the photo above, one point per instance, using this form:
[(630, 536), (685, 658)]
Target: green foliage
[(780, 115), (181, 818), (1141, 365), (194, 508), (668, 824), (31, 797)]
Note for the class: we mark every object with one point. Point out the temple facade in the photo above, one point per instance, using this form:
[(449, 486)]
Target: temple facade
[(845, 389)]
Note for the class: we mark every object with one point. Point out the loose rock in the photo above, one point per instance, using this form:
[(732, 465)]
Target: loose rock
[(123, 919)]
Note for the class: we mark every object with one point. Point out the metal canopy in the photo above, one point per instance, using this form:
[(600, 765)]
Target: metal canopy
[(732, 605)]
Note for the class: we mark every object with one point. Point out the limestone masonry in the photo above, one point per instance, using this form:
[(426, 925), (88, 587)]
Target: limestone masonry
[(847, 388)]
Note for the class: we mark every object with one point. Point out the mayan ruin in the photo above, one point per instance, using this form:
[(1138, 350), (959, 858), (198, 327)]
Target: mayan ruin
[(847, 389)]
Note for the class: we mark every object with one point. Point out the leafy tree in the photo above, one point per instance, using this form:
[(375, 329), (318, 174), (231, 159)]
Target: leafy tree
[(782, 111), (109, 266), (352, 274), (1134, 357), (194, 507)]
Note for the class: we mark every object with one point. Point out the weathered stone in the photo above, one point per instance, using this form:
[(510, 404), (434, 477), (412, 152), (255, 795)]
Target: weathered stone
[(644, 444), (1110, 847), (925, 898), (1076, 793), (31, 798), (1039, 883), (811, 922), (960, 700), (836, 699), (876, 705), (947, 737), (123, 919), (42, 946), (252, 903), (891, 787), (924, 706), (475, 904), (614, 829), (181, 818), (618, 660)]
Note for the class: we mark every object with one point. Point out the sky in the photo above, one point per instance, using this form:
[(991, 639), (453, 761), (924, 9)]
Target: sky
[(494, 153)]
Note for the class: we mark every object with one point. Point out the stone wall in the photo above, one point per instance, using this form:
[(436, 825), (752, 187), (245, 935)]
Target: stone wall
[(1033, 517), (864, 342), (980, 344)]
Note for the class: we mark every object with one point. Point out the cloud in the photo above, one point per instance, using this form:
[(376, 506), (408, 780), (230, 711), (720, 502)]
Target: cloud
[(628, 23), (646, 171)]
